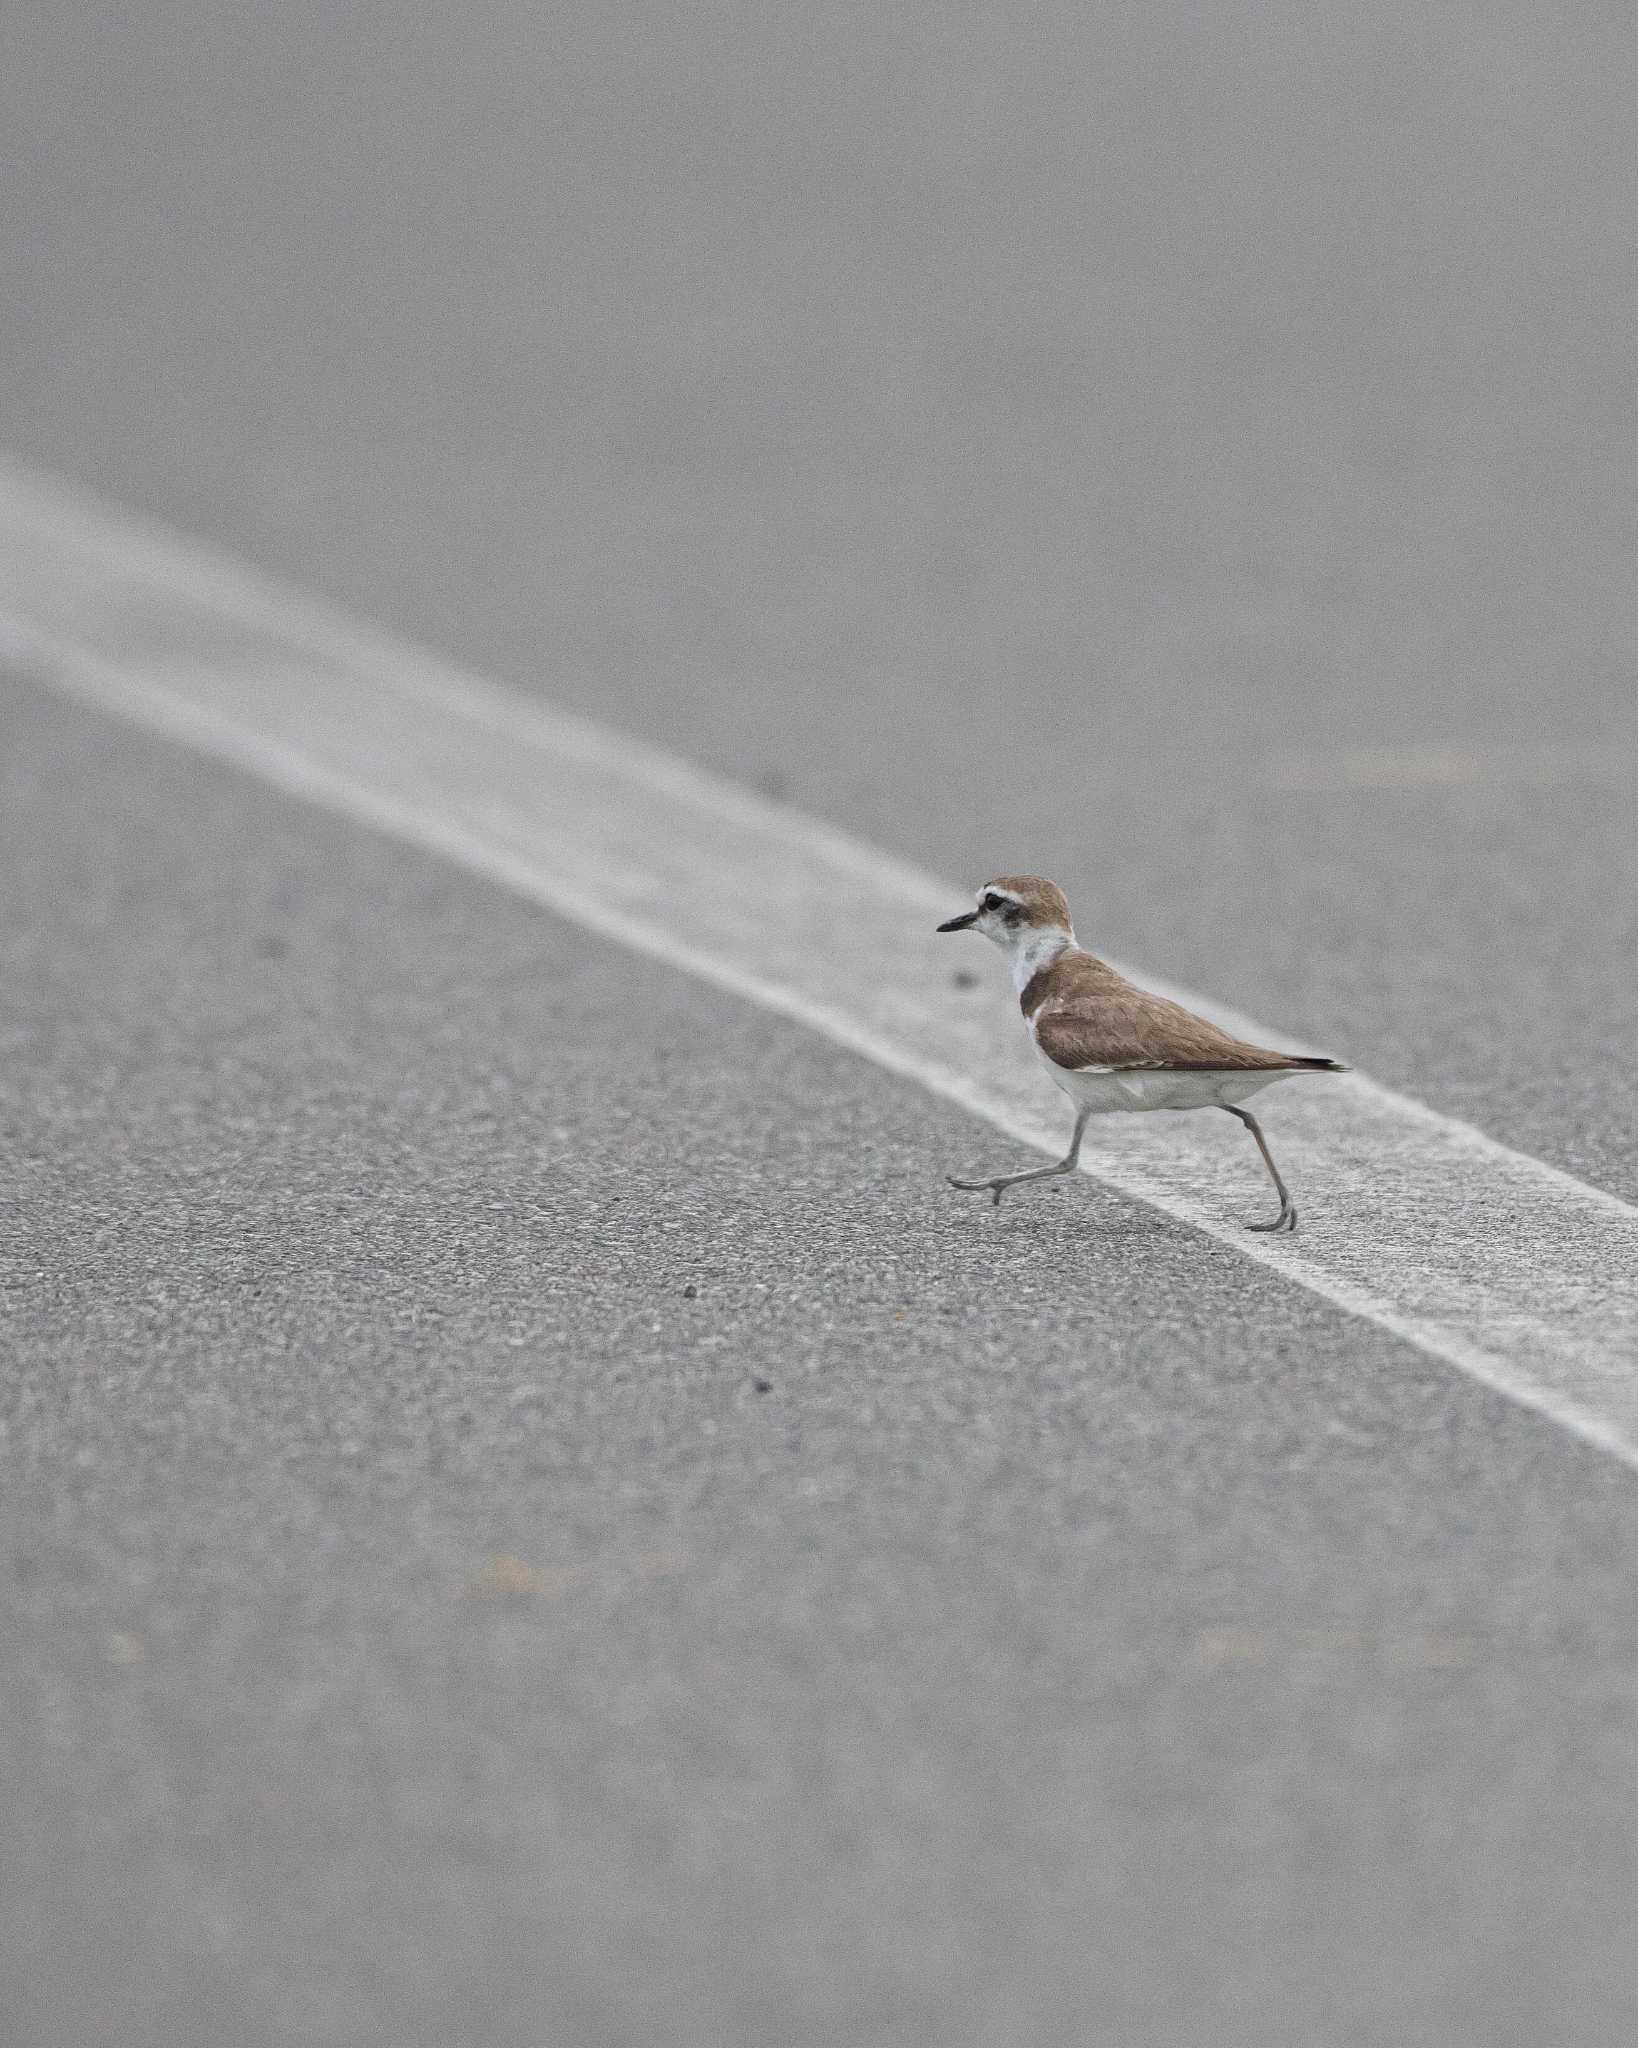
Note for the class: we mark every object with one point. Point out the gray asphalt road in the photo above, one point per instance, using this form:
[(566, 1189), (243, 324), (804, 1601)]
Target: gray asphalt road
[(422, 1628), (1006, 429), (1012, 435)]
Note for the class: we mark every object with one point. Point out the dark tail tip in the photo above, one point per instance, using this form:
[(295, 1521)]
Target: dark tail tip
[(1325, 1066)]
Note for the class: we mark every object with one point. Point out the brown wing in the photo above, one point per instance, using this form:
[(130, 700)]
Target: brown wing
[(1093, 1017)]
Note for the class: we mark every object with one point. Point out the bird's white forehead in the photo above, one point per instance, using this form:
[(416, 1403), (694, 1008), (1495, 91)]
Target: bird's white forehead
[(1006, 895)]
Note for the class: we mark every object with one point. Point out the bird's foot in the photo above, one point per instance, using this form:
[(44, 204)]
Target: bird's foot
[(1285, 1223)]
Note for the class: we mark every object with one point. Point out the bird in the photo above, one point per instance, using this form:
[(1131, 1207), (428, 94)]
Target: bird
[(1110, 1045)]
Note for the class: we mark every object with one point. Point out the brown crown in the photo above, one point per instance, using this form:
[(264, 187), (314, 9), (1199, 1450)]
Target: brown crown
[(1044, 902)]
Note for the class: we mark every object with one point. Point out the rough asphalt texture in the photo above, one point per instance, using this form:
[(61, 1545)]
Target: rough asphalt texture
[(1018, 437)]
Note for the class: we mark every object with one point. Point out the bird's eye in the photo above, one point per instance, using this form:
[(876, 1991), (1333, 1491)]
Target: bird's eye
[(991, 902)]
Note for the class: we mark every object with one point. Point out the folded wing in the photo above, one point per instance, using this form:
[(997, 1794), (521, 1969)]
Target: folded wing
[(1098, 1019)]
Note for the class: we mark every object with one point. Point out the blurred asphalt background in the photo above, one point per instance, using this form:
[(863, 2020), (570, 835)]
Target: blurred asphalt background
[(1185, 451)]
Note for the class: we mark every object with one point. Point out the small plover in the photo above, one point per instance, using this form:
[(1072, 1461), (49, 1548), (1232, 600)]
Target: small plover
[(1110, 1045)]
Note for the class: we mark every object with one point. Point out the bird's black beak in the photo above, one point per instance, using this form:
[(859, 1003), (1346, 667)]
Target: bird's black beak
[(960, 924)]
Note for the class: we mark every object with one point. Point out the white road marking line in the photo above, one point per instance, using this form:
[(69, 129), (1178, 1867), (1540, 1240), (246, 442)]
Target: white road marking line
[(1495, 1262)]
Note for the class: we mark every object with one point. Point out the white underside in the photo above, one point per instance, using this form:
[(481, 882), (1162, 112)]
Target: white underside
[(1104, 1090)]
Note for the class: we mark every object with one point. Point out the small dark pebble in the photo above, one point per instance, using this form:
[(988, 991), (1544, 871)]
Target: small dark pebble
[(691, 1292), (762, 1386), (964, 977)]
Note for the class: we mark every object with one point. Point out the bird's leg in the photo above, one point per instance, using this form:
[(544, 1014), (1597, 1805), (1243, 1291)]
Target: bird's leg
[(1287, 1218), (1011, 1180)]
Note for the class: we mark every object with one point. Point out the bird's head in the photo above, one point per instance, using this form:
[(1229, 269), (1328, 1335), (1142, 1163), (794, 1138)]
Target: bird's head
[(1022, 914)]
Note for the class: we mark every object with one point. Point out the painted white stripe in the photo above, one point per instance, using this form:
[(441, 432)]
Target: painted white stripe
[(1511, 1270)]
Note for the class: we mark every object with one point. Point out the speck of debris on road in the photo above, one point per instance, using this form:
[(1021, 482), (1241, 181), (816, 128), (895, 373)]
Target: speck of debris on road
[(506, 1575)]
